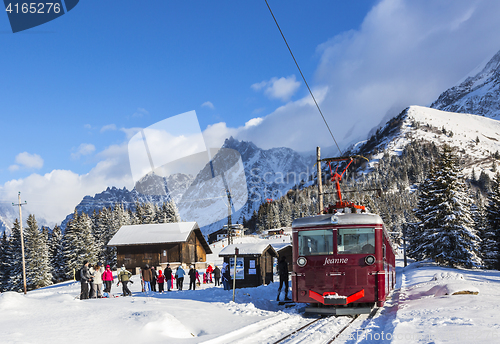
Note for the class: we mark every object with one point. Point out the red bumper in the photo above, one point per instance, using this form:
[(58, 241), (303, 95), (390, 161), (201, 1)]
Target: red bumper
[(326, 300)]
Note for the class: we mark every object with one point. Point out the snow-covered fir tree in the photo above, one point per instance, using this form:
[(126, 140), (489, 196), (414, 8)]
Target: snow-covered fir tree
[(56, 255), (419, 235), (448, 236), (37, 256), (79, 244), (3, 246), (13, 260), (490, 235)]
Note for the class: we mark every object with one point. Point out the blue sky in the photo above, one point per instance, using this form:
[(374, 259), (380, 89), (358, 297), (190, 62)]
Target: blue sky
[(74, 90)]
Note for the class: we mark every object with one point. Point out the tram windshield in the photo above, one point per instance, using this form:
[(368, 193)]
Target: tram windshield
[(317, 242), (356, 240)]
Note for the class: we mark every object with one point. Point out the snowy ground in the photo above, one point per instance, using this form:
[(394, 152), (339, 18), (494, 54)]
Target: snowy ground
[(418, 312)]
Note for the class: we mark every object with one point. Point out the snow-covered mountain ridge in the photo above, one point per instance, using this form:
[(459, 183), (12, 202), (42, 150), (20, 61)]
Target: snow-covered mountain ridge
[(476, 138), (269, 174)]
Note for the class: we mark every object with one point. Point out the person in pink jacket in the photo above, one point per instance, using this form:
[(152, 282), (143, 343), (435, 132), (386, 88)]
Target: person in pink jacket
[(107, 278), (160, 280)]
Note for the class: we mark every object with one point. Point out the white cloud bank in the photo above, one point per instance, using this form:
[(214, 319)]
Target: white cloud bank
[(52, 196)]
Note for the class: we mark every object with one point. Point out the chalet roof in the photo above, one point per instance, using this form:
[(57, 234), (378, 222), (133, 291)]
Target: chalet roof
[(280, 245), (160, 233), (248, 249)]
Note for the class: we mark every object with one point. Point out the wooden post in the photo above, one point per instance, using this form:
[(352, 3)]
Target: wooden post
[(236, 251), (320, 181)]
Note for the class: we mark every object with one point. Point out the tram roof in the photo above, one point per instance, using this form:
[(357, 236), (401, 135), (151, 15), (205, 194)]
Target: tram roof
[(338, 219)]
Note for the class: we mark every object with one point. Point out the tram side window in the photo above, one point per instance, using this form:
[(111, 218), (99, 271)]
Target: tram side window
[(356, 240), (316, 242)]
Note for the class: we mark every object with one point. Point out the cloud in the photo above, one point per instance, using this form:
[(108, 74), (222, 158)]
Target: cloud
[(13, 168), (140, 112), (130, 132), (404, 53), (108, 127), (282, 88), (83, 149), (27, 160), (208, 105)]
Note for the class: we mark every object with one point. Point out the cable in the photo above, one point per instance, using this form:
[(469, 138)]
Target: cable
[(303, 78)]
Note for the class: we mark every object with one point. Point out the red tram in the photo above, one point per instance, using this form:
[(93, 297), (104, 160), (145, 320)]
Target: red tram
[(343, 260), (343, 263)]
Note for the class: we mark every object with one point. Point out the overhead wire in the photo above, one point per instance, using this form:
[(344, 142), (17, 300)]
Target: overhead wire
[(303, 77)]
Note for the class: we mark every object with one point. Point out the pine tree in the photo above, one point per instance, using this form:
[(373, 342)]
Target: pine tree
[(448, 237), (490, 235), (37, 256), (3, 276), (13, 260), (78, 243), (420, 245), (56, 255)]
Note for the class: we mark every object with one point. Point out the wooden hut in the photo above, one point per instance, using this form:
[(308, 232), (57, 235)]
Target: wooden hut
[(284, 250), (254, 263), (158, 244)]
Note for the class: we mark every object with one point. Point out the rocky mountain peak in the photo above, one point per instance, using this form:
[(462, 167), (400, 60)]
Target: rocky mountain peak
[(478, 94)]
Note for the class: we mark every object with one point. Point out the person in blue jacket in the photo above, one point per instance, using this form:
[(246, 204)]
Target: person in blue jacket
[(179, 277)]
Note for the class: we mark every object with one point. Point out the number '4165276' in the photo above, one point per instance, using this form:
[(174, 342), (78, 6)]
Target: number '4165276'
[(34, 7)]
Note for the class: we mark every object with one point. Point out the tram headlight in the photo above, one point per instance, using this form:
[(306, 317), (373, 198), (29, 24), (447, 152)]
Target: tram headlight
[(302, 261), (369, 260)]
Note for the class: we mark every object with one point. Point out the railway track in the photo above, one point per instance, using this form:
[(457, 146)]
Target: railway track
[(290, 329), (323, 330)]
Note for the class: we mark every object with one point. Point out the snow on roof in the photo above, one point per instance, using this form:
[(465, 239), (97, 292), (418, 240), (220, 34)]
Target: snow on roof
[(153, 233), (247, 248), (278, 246), (337, 219)]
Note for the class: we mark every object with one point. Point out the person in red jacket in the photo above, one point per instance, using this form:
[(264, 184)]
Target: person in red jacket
[(107, 278), (160, 280), (209, 273)]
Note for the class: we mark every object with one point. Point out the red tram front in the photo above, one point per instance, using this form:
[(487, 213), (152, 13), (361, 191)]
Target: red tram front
[(343, 263)]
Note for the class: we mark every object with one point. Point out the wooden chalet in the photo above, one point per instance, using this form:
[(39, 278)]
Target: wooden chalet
[(158, 244)]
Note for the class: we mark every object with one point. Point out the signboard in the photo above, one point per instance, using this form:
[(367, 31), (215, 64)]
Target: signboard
[(240, 271), (252, 271), (252, 264)]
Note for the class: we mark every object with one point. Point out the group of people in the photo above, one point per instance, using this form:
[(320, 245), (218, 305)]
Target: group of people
[(151, 278), (92, 280)]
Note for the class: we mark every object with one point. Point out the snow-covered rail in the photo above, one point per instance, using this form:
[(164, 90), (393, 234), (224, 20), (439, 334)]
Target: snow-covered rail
[(262, 331), (325, 330)]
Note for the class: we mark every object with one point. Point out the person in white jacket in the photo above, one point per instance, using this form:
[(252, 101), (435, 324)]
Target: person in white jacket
[(96, 272)]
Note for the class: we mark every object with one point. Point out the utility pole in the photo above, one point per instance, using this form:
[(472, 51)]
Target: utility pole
[(320, 181), (22, 238)]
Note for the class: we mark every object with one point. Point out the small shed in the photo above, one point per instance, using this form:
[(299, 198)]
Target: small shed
[(284, 250), (254, 263), (159, 244)]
